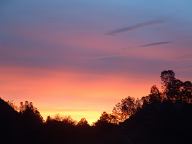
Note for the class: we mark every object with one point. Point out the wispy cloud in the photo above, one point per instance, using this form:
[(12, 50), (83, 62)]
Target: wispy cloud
[(156, 43), (133, 27)]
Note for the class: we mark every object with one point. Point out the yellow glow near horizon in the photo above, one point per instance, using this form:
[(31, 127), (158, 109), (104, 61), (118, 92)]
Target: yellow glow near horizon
[(91, 116)]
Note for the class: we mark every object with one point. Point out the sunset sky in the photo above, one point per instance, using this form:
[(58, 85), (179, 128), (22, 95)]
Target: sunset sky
[(81, 57)]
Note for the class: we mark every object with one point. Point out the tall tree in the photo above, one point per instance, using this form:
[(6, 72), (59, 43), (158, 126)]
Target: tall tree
[(124, 109), (187, 91), (30, 115), (83, 123), (171, 86), (155, 95), (174, 89)]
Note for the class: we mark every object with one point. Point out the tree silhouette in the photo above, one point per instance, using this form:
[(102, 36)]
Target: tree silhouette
[(30, 116), (9, 123), (106, 120), (69, 121), (175, 90), (155, 95), (171, 85), (167, 77), (124, 109), (186, 91), (83, 123)]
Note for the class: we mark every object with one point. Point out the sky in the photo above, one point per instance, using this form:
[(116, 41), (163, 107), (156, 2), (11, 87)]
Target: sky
[(81, 57)]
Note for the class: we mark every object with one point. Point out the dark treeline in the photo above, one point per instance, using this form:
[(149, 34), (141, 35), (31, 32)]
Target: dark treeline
[(163, 116)]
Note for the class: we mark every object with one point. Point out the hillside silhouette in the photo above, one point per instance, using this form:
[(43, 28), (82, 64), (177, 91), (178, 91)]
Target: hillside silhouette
[(163, 116)]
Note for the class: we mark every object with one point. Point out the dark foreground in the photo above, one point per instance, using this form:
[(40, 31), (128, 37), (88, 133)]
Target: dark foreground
[(154, 123)]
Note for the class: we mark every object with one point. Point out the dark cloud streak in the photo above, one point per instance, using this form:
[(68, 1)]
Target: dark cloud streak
[(156, 43), (136, 26)]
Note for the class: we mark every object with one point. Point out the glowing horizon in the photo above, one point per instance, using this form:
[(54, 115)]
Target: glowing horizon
[(54, 93)]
